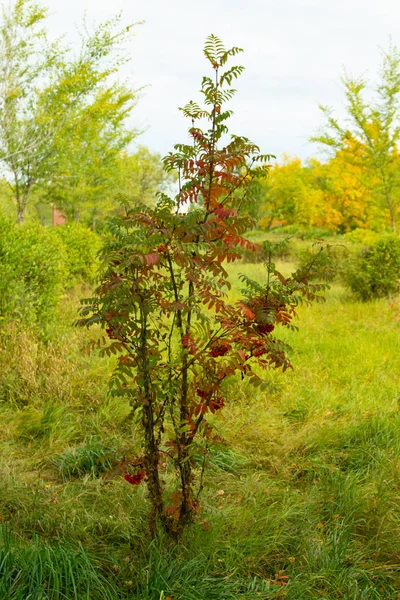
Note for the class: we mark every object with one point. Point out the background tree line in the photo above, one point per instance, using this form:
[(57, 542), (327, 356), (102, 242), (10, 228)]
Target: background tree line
[(66, 138)]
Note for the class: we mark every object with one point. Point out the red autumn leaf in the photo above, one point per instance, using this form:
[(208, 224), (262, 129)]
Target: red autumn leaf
[(216, 404), (173, 510), (248, 313), (223, 213), (152, 259), (188, 342), (243, 355)]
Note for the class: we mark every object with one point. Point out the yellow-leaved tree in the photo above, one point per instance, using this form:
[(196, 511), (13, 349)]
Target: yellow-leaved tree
[(369, 139)]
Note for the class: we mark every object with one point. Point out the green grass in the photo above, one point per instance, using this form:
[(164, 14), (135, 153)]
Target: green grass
[(42, 572), (309, 472)]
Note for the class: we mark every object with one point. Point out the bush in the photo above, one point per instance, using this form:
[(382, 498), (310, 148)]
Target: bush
[(375, 272), (38, 263), (32, 271), (81, 246), (365, 237), (328, 264)]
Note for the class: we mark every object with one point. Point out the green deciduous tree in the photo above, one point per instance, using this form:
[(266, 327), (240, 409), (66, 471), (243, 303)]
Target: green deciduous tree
[(46, 92), (140, 176), (86, 161)]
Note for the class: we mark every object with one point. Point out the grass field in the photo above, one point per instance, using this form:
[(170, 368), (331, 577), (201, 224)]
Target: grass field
[(301, 502)]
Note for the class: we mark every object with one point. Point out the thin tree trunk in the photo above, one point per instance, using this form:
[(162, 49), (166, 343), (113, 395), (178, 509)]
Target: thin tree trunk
[(18, 199), (389, 202), (151, 449), (151, 464), (22, 197), (391, 212), (392, 218), (20, 213)]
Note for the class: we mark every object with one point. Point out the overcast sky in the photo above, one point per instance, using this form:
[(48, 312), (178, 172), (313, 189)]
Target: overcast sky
[(295, 52)]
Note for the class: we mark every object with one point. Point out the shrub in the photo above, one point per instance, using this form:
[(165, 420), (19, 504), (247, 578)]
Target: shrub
[(365, 237), (327, 265), (81, 246), (32, 267), (37, 263), (375, 272)]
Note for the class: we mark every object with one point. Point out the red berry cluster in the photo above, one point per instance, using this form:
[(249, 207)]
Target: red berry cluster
[(219, 350), (135, 479), (265, 328)]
